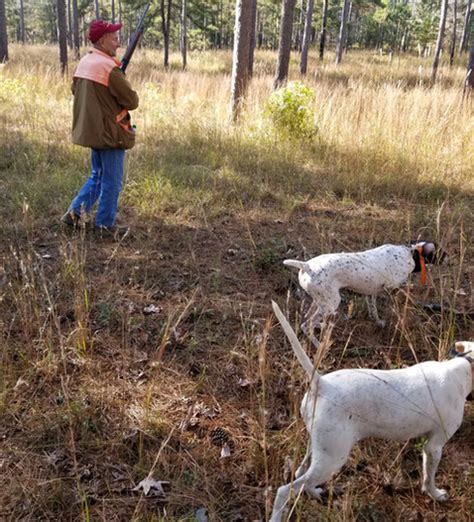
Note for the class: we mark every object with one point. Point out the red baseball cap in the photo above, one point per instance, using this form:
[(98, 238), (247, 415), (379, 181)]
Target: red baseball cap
[(98, 28)]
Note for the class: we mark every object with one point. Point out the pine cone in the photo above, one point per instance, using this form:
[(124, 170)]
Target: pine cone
[(220, 436)]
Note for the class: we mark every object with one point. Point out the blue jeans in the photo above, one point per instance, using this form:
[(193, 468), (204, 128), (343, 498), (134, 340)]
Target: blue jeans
[(104, 184)]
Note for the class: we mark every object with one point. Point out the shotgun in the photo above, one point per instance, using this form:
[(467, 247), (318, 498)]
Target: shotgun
[(133, 42)]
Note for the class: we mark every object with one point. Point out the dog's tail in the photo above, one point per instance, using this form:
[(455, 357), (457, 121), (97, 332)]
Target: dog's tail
[(301, 355), (302, 265)]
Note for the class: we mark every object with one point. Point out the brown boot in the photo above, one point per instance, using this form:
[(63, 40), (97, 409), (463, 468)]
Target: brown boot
[(71, 219)]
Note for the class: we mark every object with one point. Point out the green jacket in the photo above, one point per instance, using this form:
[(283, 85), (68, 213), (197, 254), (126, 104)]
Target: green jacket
[(97, 107)]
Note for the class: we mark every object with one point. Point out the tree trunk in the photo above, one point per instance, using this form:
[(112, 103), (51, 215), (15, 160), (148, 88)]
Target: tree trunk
[(348, 29), (97, 9), (306, 37), (298, 40), (439, 41), (22, 22), (75, 30), (112, 9), (240, 65), (342, 32), (322, 42), (165, 24), (62, 34), (284, 47), (453, 37), (260, 30), (69, 24), (220, 24), (465, 28), (253, 33), (3, 34), (470, 67), (184, 35)]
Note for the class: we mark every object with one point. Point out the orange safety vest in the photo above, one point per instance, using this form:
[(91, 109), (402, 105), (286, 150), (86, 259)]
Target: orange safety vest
[(96, 66)]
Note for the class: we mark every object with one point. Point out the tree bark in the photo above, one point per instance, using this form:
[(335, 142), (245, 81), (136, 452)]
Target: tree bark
[(342, 32), (3, 34), (454, 35), (165, 25), (348, 28), (298, 37), (253, 33), (306, 36), (439, 40), (220, 25), (470, 67), (240, 65), (22, 22), (284, 47), (75, 30), (465, 28), (62, 34), (184, 35), (324, 23), (69, 24)]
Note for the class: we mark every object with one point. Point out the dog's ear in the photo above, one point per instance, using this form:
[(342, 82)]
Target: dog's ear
[(464, 349)]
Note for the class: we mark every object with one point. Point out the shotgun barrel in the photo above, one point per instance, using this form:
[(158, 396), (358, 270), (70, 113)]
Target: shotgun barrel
[(133, 42)]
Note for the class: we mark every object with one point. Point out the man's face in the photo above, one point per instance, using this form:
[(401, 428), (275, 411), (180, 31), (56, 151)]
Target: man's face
[(110, 43)]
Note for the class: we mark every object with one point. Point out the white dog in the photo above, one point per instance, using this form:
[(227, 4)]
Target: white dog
[(367, 273), (346, 406)]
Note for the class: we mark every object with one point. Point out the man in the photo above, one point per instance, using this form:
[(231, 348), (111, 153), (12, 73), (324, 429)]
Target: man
[(101, 122)]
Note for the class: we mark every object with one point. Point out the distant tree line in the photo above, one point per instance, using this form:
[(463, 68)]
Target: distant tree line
[(426, 27), (388, 25)]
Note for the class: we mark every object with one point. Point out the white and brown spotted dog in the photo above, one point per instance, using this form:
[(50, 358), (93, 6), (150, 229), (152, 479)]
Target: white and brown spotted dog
[(346, 406), (368, 273)]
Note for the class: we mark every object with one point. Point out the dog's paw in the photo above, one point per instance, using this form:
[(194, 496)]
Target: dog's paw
[(315, 493), (440, 495)]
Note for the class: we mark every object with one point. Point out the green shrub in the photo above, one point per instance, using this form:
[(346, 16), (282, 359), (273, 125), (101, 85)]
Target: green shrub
[(289, 110)]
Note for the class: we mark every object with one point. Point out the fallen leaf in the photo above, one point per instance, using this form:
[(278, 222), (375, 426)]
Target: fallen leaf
[(151, 309), (225, 451), (201, 515), (151, 487), (20, 383), (244, 383), (55, 456)]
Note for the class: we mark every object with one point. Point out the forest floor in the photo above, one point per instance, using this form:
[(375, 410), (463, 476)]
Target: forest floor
[(119, 360)]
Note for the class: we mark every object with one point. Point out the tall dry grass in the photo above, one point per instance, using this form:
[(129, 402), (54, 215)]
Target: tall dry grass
[(382, 131)]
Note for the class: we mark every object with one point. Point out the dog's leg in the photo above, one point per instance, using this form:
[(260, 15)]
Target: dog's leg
[(311, 321), (431, 457), (373, 312), (323, 466)]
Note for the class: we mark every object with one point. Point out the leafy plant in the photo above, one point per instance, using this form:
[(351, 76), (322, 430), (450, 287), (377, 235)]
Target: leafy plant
[(289, 110)]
